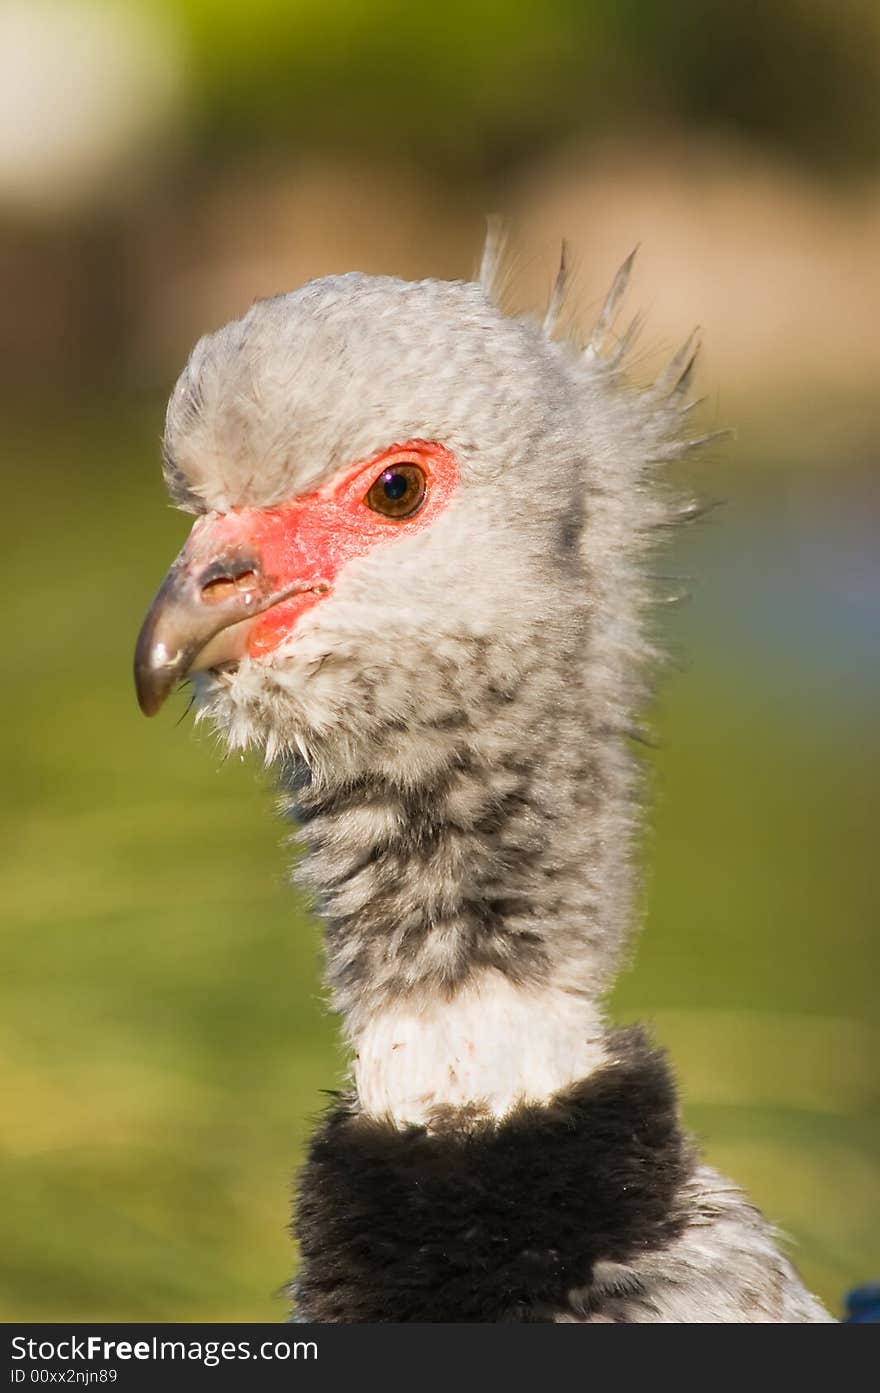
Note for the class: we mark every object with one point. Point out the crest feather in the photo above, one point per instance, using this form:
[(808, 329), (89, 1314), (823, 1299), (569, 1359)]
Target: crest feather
[(609, 309), (558, 293), (492, 260), (677, 376)]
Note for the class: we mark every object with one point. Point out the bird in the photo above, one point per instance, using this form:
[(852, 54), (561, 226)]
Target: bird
[(419, 582)]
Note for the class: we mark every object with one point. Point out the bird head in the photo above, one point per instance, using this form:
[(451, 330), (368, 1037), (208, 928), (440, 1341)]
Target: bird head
[(390, 480), (406, 502)]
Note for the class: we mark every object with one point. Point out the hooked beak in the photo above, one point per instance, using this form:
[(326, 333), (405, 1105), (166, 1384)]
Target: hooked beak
[(203, 613)]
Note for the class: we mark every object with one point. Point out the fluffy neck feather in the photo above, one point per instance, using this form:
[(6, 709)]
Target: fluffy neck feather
[(479, 890), (493, 1045)]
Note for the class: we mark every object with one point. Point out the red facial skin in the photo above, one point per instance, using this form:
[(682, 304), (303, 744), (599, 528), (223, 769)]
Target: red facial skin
[(310, 539)]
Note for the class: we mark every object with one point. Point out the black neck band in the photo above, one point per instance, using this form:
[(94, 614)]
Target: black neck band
[(479, 1220)]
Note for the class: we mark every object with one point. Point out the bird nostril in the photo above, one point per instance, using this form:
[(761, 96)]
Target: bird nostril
[(226, 587)]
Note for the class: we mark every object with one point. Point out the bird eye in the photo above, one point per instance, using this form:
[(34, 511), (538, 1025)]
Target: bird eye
[(399, 491)]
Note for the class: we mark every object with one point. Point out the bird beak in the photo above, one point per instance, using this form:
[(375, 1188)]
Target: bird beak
[(203, 613)]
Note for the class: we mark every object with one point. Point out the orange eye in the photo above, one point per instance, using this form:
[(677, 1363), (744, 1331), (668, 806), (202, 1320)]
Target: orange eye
[(399, 491)]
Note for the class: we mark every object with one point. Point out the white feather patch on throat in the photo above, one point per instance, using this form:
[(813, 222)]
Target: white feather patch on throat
[(493, 1044)]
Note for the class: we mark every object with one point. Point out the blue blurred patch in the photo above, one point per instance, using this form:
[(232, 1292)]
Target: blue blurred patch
[(863, 1305)]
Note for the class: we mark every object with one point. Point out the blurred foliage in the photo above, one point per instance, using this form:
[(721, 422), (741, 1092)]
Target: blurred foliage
[(162, 1040), (799, 75), (477, 87)]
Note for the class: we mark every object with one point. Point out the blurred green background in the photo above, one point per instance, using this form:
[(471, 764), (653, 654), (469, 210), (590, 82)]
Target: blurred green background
[(163, 1044)]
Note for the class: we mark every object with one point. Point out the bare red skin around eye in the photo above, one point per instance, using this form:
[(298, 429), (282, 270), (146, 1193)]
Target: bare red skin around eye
[(310, 539)]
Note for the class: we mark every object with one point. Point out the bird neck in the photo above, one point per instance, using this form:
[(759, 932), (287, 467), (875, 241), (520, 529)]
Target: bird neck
[(472, 882)]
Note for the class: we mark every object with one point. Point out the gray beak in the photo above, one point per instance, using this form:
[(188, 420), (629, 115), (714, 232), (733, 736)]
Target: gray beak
[(202, 613)]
